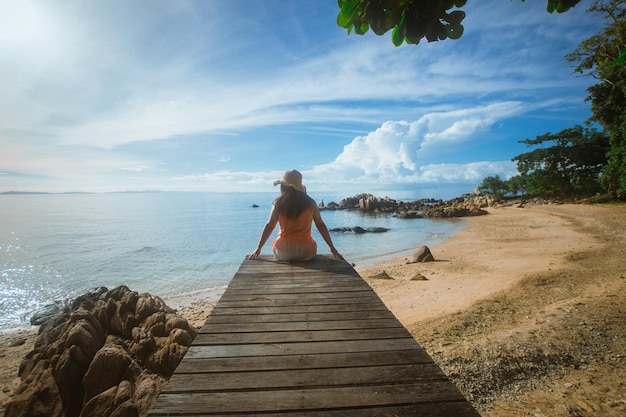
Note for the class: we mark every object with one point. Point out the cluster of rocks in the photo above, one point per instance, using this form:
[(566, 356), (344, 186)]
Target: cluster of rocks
[(359, 230), (422, 254), (106, 353), (466, 205)]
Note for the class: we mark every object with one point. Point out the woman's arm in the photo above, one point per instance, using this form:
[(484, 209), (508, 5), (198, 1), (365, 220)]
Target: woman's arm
[(267, 232), (321, 227)]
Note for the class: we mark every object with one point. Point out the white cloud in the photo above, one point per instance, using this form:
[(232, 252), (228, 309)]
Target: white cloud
[(397, 150)]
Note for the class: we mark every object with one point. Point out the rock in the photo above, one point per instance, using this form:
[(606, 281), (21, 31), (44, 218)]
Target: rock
[(409, 215), (422, 254), (465, 205), (381, 275), (376, 229), (58, 309), (100, 405), (39, 397), (107, 354), (111, 365), (359, 230), (418, 277), (16, 342)]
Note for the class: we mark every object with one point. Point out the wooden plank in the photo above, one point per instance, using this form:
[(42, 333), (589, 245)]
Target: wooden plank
[(306, 339), (311, 361), (297, 309), (300, 336), (266, 318), (268, 302), (290, 326), (303, 348), (306, 378), (307, 399), (235, 296), (431, 409)]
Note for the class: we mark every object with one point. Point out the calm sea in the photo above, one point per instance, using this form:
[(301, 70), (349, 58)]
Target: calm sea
[(179, 246)]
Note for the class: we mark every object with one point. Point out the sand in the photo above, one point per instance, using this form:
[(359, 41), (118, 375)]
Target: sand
[(524, 309)]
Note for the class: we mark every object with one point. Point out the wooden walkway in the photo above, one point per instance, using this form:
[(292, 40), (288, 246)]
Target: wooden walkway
[(306, 339)]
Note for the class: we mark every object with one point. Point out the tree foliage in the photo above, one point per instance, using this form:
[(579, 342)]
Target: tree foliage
[(413, 20), (603, 56), (494, 185), (569, 167)]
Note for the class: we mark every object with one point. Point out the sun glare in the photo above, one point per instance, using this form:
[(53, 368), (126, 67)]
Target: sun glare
[(22, 24)]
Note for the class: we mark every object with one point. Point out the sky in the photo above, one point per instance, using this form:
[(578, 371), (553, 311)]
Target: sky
[(225, 95)]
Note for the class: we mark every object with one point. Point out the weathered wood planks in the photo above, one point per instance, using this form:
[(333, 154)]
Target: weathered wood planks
[(306, 339)]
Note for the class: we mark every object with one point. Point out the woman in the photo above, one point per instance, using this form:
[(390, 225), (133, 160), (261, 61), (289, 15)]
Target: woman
[(294, 210)]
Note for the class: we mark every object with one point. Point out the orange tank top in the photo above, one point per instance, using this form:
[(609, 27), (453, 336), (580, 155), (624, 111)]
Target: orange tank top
[(298, 228)]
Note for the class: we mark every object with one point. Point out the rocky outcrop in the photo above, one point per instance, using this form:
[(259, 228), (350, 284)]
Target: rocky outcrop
[(107, 353), (466, 205)]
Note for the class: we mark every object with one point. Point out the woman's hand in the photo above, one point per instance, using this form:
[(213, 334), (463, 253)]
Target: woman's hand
[(254, 254), (336, 254)]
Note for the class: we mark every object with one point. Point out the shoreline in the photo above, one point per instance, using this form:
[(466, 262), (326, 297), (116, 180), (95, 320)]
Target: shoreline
[(476, 262), (488, 264)]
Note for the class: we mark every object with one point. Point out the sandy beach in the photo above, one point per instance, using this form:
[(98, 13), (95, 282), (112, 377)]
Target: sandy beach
[(524, 309)]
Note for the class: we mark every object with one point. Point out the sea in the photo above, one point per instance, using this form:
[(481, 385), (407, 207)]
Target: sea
[(180, 246)]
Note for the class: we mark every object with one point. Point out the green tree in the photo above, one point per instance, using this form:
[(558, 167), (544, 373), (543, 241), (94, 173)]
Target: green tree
[(413, 20), (517, 185), (494, 185), (603, 57), (570, 167)]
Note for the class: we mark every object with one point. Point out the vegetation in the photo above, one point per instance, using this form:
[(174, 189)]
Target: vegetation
[(495, 186), (583, 162), (603, 57), (566, 165), (413, 20)]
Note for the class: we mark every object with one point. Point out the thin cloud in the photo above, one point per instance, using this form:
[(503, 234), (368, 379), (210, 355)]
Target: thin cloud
[(115, 87)]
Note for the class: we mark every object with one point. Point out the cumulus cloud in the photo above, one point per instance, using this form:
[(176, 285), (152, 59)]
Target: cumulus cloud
[(400, 151)]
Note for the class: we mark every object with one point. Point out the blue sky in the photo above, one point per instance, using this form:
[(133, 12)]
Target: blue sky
[(225, 95)]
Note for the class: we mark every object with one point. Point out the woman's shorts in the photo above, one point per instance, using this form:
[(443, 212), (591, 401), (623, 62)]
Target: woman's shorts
[(289, 250)]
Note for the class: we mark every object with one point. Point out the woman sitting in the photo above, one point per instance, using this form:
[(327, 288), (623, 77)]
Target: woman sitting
[(295, 211)]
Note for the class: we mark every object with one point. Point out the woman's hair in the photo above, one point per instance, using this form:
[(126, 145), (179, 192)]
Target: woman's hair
[(292, 202)]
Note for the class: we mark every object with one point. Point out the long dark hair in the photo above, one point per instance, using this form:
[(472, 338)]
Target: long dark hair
[(292, 202)]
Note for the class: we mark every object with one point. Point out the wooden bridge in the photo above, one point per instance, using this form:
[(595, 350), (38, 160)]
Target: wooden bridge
[(306, 339)]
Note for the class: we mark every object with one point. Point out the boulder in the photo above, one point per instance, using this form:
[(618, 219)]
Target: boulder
[(422, 254), (37, 396), (111, 365)]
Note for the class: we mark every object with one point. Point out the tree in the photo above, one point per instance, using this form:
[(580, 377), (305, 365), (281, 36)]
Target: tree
[(413, 20), (517, 184), (571, 167), (603, 57), (494, 185)]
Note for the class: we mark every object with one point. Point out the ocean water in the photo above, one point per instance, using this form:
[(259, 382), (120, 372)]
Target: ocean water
[(179, 246)]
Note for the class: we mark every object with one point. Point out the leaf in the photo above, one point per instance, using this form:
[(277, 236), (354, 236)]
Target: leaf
[(443, 32), (345, 17), (455, 31), (621, 59), (455, 17), (378, 21), (399, 32)]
